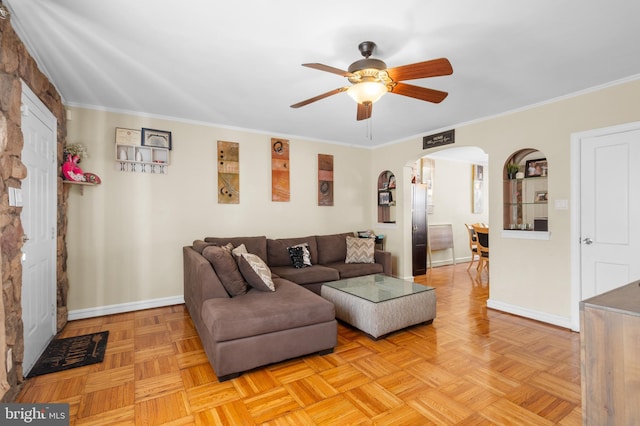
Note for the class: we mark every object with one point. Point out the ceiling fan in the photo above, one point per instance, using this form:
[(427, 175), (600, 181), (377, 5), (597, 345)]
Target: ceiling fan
[(371, 79)]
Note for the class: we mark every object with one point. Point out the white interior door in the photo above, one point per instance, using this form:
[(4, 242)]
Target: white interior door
[(38, 218), (609, 210)]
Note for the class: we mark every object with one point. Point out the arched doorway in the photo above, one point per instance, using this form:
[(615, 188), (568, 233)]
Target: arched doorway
[(453, 184)]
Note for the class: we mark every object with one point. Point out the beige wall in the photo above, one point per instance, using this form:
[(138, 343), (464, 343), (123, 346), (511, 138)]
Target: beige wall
[(528, 277), (125, 236)]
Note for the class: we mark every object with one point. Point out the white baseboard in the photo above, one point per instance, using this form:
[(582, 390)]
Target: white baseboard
[(177, 300), (124, 307), (531, 314), (443, 262)]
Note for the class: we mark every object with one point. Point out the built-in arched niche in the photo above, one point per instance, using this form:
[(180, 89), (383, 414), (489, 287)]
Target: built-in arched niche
[(386, 197), (525, 192)]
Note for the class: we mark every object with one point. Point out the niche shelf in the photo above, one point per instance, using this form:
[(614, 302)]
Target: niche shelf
[(386, 197), (525, 196)]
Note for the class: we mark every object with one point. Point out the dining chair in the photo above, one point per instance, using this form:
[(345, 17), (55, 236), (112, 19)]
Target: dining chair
[(482, 236), (473, 245)]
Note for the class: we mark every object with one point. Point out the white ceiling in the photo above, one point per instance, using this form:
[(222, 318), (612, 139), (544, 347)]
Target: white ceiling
[(238, 63)]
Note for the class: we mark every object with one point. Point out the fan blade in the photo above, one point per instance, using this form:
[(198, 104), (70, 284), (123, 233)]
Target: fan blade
[(317, 98), (364, 111), (422, 93), (327, 68), (432, 68)]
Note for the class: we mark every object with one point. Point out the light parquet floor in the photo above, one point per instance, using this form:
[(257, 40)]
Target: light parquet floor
[(472, 366)]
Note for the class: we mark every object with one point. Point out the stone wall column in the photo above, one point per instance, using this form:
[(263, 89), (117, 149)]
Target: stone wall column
[(16, 65)]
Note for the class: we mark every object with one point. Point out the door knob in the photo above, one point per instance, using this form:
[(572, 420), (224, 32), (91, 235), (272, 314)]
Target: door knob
[(587, 241)]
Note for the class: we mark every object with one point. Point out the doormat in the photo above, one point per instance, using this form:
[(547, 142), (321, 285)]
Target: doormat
[(72, 352)]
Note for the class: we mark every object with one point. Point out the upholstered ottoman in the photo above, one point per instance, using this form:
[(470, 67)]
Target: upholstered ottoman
[(378, 304)]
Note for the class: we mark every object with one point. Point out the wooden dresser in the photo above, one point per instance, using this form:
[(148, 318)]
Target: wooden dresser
[(610, 355)]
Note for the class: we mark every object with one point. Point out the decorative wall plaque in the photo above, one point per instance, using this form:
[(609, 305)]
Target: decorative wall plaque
[(128, 136), (325, 180), (439, 139), (157, 138), (280, 185), (477, 173), (228, 172)]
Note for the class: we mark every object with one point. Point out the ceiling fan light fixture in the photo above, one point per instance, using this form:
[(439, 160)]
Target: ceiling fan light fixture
[(370, 79), (367, 91)]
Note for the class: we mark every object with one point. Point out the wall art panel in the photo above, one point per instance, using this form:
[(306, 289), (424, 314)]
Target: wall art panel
[(477, 173), (228, 172), (280, 185), (325, 180)]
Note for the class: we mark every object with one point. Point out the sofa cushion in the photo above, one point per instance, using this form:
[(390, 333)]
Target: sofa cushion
[(259, 312), (226, 268), (332, 248), (199, 245), (255, 272), (255, 245), (310, 274), (360, 250), (350, 270), (278, 255)]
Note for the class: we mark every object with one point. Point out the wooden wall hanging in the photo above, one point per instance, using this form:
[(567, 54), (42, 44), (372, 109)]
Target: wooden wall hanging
[(428, 170), (325, 180), (477, 173), (280, 185), (228, 172)]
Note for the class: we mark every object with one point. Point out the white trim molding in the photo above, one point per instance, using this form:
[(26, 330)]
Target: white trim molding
[(576, 246), (124, 307), (531, 314)]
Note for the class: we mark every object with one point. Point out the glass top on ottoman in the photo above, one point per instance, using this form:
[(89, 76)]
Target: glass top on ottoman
[(377, 288)]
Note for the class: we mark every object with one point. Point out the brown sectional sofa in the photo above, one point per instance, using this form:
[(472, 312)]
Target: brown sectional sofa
[(262, 327)]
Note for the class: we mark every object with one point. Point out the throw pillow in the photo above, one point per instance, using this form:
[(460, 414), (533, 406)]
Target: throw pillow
[(306, 254), (360, 250), (297, 256), (227, 269), (239, 250), (256, 272)]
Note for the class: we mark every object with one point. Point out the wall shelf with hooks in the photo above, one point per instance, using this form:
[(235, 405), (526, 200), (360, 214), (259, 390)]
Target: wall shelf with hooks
[(142, 159)]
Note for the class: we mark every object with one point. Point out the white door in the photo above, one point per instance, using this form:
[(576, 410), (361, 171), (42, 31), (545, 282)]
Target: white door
[(609, 209), (39, 195)]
